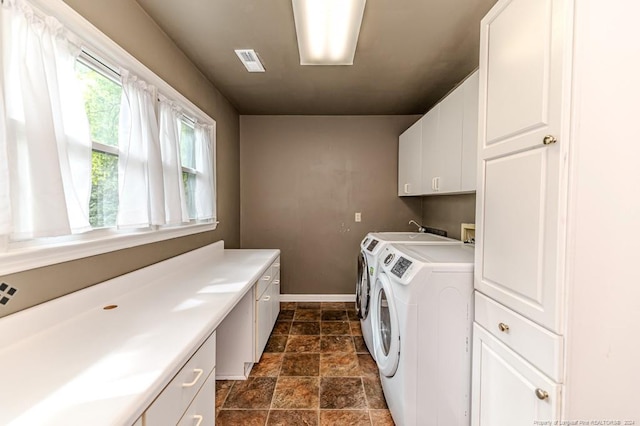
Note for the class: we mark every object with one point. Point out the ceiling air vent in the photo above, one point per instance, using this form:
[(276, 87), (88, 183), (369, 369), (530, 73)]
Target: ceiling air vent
[(250, 60)]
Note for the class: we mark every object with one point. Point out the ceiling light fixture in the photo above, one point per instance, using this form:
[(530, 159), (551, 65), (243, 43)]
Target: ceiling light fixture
[(327, 30), (250, 59)]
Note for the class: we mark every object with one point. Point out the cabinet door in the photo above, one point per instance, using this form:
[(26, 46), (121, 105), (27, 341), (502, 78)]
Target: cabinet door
[(410, 160), (445, 150), (506, 389), (524, 71), (468, 175), (430, 122), (264, 323)]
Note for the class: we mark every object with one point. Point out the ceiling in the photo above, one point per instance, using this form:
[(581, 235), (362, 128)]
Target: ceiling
[(410, 53)]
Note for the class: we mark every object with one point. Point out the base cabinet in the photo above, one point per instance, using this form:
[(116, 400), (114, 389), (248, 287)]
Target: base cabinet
[(507, 390), (189, 397), (267, 307)]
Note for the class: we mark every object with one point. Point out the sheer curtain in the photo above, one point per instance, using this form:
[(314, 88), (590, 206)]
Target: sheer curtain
[(45, 142), (140, 181), (174, 194), (204, 191)]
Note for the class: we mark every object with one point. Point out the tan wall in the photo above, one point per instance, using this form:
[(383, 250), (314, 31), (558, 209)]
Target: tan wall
[(129, 26), (448, 212), (302, 180)]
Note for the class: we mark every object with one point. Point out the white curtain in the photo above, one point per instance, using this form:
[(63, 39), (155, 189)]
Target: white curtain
[(174, 195), (204, 191), (45, 143), (140, 180)]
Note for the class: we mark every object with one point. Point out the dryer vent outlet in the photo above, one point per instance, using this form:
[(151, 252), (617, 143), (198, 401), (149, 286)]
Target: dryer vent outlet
[(6, 293)]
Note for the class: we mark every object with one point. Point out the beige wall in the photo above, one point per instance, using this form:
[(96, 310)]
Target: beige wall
[(129, 26), (448, 212), (302, 180)]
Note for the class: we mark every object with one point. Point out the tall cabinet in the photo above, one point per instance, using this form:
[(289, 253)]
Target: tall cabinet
[(556, 158)]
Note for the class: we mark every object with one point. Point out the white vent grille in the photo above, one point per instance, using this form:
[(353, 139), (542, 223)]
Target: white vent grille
[(250, 60)]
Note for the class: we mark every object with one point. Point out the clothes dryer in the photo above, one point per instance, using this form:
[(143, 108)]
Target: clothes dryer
[(422, 313), (370, 248)]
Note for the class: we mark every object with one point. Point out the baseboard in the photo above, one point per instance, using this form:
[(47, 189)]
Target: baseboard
[(317, 297)]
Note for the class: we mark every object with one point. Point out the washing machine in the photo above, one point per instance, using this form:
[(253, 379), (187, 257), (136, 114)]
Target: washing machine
[(370, 248), (422, 313)]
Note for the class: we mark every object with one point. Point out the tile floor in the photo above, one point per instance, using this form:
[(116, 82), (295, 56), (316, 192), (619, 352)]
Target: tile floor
[(315, 370)]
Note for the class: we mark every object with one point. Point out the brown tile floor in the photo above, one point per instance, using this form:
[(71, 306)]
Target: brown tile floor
[(315, 370)]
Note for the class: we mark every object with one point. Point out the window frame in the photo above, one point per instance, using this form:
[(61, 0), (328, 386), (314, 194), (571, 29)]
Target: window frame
[(17, 256)]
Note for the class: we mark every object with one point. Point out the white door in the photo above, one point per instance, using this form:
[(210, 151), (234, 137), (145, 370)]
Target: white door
[(468, 175), (429, 141), (445, 151), (410, 160), (507, 390), (524, 87), (386, 328)]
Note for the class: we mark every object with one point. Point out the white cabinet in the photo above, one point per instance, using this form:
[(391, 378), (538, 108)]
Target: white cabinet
[(439, 151), (557, 168), (520, 176), (236, 336), (442, 145), (176, 399), (410, 160), (267, 307), (507, 390), (469, 161)]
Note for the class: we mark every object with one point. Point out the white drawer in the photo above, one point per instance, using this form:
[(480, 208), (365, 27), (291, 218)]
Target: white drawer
[(171, 404), (267, 277), (539, 346), (263, 283), (202, 410)]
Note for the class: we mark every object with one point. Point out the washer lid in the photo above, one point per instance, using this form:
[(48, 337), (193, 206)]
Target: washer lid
[(457, 253)]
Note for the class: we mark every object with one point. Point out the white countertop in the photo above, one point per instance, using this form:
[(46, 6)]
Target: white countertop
[(70, 362)]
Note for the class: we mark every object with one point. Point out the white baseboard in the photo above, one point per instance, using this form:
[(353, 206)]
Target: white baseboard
[(317, 297)]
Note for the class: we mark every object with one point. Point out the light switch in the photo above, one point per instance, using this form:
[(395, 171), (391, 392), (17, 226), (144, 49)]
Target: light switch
[(358, 217)]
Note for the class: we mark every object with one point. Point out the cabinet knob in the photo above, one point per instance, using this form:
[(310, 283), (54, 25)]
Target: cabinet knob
[(199, 418), (503, 327), (549, 139), (542, 394)]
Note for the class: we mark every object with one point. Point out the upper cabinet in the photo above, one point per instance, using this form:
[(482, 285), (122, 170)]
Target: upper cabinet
[(410, 161), (440, 149)]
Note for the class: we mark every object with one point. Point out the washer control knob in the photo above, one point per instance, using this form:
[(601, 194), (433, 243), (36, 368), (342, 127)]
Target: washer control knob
[(389, 258)]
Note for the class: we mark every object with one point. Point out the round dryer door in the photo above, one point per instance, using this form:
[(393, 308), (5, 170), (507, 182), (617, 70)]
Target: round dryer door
[(386, 328), (363, 287)]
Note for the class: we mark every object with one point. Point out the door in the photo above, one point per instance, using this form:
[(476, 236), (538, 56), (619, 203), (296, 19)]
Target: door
[(442, 152), (410, 160), (524, 84), (386, 328), (363, 288), (507, 390)]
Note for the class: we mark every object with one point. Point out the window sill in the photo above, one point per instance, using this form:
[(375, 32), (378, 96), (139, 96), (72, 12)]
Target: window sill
[(93, 243)]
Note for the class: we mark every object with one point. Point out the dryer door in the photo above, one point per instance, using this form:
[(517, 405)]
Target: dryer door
[(363, 288), (386, 328)]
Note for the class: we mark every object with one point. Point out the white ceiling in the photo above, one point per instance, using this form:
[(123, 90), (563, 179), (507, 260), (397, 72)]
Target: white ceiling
[(410, 54)]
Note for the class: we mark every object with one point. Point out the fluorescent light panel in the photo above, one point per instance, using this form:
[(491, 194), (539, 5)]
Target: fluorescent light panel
[(327, 30)]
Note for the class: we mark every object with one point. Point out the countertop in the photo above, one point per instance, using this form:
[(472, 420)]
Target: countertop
[(70, 362)]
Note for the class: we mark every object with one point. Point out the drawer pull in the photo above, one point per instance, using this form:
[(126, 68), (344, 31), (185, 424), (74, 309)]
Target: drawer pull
[(276, 282), (266, 278), (276, 265), (503, 327), (542, 394), (198, 372), (199, 418), (267, 298)]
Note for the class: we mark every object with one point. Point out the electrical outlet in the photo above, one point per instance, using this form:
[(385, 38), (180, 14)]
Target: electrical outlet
[(358, 217)]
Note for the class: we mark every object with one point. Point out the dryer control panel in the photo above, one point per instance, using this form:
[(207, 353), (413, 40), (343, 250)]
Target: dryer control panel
[(401, 267)]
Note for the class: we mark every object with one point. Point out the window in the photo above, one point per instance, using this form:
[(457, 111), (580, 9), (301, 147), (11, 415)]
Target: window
[(92, 166), (188, 162), (102, 94)]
